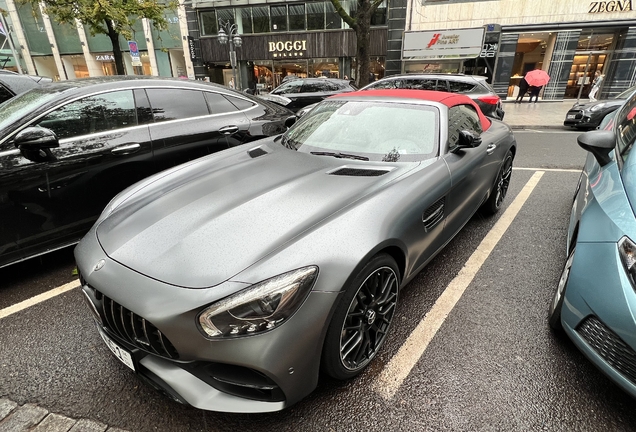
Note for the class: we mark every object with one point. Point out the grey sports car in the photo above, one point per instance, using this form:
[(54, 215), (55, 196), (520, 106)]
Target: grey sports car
[(230, 281)]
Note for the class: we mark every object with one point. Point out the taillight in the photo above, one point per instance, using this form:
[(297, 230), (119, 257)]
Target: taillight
[(491, 100)]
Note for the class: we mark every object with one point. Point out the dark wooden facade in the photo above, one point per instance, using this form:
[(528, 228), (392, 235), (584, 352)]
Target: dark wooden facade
[(339, 43)]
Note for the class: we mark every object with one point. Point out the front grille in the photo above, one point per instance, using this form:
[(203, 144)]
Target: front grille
[(609, 346), (134, 329), (356, 172)]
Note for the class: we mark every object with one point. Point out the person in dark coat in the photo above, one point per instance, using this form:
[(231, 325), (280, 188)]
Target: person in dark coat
[(523, 88), (534, 92)]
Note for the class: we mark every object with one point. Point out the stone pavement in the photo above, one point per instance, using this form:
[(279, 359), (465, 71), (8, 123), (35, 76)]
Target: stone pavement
[(545, 114), (29, 417)]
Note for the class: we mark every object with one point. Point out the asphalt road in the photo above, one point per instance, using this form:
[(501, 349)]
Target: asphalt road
[(493, 365)]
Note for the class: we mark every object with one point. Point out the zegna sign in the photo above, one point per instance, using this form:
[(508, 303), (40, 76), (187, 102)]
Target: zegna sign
[(597, 7), (283, 49)]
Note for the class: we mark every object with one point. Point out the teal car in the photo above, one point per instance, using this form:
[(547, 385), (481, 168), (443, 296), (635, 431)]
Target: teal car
[(595, 300)]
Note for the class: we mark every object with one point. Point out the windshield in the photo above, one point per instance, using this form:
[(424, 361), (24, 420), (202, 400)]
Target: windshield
[(16, 108), (367, 130)]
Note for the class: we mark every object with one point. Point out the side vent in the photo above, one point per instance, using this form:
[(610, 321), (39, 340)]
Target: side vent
[(433, 214), (359, 172), (256, 152)]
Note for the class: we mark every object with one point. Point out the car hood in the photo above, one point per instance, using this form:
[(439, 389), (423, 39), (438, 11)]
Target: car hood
[(606, 104), (201, 225)]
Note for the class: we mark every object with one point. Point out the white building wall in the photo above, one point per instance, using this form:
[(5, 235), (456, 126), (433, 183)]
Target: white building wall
[(508, 12)]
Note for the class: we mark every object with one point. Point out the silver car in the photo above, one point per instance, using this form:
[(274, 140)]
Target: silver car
[(230, 281)]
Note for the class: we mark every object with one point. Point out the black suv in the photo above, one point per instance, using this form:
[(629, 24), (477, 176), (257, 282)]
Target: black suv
[(473, 86), (298, 93)]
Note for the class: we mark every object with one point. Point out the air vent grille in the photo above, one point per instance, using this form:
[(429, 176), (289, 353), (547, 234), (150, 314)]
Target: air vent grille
[(359, 172), (256, 152), (433, 214)]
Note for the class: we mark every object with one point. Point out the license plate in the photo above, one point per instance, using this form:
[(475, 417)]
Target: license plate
[(124, 356), (571, 116)]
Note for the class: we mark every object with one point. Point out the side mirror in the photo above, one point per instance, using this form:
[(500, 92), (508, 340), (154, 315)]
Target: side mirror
[(36, 138), (600, 143), (467, 139), (289, 121), (34, 143)]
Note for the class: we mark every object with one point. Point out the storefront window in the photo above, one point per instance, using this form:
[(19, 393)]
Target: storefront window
[(315, 16), (208, 23), (225, 15), (279, 18), (325, 67), (333, 21), (297, 17), (246, 21), (379, 17), (261, 19)]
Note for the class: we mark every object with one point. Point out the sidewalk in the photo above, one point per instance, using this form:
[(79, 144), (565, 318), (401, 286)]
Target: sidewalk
[(544, 114), (29, 417)]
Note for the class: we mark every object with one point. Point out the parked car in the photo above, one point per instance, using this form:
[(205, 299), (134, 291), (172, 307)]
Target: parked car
[(67, 148), (474, 86), (228, 282), (12, 84), (595, 298), (298, 93), (589, 115)]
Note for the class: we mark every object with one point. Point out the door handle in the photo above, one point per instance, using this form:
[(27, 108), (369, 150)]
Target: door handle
[(229, 130), (126, 149), (491, 148)]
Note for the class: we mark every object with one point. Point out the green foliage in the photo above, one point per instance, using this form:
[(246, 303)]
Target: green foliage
[(93, 14)]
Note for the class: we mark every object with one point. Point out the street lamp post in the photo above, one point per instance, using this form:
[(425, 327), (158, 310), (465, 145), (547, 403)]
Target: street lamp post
[(228, 32)]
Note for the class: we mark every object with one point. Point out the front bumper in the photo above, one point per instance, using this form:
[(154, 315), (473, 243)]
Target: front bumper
[(259, 373), (581, 119), (599, 312)]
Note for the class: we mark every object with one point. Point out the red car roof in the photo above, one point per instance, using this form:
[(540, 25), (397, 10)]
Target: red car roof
[(445, 98)]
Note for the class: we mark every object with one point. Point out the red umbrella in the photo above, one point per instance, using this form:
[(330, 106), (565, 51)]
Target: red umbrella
[(537, 78)]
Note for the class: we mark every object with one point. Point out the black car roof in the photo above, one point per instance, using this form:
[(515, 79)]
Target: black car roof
[(20, 83), (113, 82)]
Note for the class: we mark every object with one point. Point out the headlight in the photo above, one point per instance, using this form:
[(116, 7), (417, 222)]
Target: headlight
[(627, 251), (260, 307), (597, 107)]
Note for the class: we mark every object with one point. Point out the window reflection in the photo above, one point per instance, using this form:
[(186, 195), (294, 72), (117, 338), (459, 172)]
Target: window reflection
[(93, 114)]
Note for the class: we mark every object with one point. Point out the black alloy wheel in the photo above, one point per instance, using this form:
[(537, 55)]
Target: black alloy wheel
[(496, 198), (362, 319), (554, 315)]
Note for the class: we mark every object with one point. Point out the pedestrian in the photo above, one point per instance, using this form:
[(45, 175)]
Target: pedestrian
[(523, 89), (596, 85), (534, 91)]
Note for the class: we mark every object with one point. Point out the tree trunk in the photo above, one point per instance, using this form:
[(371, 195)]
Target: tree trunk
[(114, 40), (363, 39)]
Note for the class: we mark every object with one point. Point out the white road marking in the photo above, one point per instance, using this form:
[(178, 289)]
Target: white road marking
[(578, 171), (38, 299), (399, 367)]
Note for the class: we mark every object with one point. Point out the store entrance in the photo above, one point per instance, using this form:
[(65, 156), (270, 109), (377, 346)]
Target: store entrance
[(282, 69), (592, 52)]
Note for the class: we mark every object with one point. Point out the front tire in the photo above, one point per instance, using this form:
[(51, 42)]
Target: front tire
[(502, 183), (554, 315), (362, 319)]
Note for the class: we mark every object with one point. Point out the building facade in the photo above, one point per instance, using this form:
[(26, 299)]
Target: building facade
[(281, 38), (569, 39), (60, 51)]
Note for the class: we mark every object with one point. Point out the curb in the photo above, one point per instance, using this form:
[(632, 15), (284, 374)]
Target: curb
[(30, 417)]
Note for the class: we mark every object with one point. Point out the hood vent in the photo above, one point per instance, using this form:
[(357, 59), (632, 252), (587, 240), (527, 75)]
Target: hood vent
[(359, 172), (256, 152)]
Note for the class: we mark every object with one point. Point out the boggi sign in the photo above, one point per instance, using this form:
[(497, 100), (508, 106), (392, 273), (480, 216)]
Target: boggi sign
[(288, 48)]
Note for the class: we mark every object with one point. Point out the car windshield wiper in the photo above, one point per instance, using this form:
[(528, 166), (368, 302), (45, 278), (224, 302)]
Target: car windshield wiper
[(341, 155), (289, 143)]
